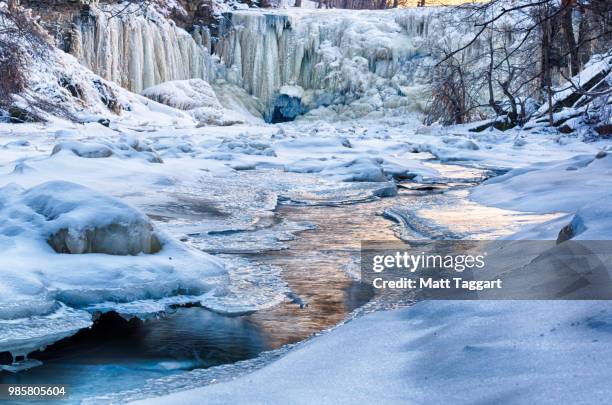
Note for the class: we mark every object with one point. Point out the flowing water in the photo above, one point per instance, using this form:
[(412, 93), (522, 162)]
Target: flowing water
[(319, 266)]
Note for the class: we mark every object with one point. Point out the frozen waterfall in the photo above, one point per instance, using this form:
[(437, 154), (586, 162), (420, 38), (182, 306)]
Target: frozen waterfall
[(139, 50), (329, 56), (293, 61)]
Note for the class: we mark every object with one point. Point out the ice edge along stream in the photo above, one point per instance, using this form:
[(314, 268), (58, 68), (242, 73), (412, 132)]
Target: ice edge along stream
[(315, 265)]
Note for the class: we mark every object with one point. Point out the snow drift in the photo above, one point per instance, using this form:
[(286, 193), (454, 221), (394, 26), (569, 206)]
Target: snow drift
[(439, 352), (115, 257), (196, 97)]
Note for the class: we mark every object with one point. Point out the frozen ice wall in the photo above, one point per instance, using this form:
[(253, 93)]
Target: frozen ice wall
[(367, 62), (138, 50), (335, 56)]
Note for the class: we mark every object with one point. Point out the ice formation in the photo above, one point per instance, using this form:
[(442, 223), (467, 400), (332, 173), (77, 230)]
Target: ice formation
[(196, 97), (328, 57), (138, 51), (375, 62), (116, 255)]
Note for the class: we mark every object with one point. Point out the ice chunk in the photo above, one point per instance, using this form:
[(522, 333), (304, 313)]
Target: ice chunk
[(23, 333)]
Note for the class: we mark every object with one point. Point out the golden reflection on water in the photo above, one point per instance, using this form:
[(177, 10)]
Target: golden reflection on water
[(480, 222), (313, 264), (313, 269)]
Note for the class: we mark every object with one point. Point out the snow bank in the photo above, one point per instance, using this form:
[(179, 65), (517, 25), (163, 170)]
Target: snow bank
[(563, 186), (440, 352), (116, 256), (196, 97)]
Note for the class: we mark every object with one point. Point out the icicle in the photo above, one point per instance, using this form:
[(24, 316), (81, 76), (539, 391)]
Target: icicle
[(336, 55), (139, 51)]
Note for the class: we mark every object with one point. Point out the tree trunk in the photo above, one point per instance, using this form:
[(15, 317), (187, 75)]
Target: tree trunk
[(498, 110), (298, 3), (546, 70), (567, 22), (513, 114)]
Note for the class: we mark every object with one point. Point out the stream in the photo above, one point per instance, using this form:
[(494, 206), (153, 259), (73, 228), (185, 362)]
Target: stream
[(320, 267)]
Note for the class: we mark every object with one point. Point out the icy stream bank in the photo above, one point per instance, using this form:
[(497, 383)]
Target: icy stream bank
[(320, 266)]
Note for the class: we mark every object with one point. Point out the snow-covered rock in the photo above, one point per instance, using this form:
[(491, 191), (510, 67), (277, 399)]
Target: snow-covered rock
[(184, 94), (84, 150), (116, 256), (196, 97), (80, 220), (593, 221), (96, 150)]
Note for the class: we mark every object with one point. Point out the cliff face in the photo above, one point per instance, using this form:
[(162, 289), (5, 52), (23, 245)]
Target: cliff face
[(185, 13), (58, 16), (64, 18)]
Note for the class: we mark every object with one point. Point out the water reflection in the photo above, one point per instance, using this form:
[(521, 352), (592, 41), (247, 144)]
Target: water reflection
[(121, 355)]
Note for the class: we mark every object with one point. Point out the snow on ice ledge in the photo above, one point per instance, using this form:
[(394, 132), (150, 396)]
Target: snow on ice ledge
[(44, 294)]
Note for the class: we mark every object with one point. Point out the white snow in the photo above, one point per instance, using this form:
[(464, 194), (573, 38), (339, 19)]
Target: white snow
[(63, 244), (543, 352), (573, 182), (196, 97), (580, 186)]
